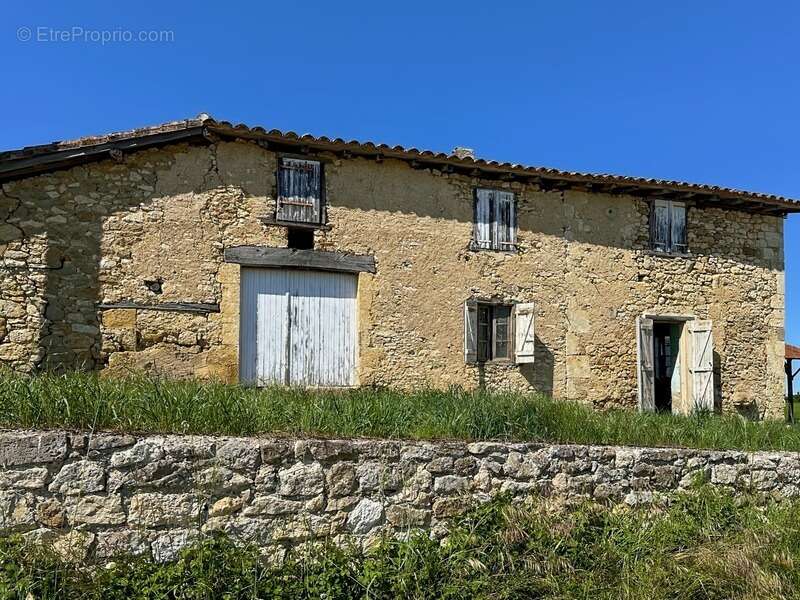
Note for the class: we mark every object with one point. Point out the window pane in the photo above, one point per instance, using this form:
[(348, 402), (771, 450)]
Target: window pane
[(502, 315), (678, 230), (484, 332)]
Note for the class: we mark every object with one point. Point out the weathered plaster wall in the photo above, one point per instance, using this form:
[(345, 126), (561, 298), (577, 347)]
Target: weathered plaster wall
[(97, 233), (103, 494)]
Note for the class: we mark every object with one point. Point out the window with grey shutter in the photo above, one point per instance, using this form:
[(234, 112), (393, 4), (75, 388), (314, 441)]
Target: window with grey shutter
[(495, 220), (668, 227), (299, 191)]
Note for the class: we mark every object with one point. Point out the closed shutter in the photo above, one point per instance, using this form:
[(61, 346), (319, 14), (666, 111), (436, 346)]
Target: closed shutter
[(483, 218), (701, 366), (299, 191), (678, 227), (470, 332), (645, 364), (505, 225), (659, 226), (524, 333)]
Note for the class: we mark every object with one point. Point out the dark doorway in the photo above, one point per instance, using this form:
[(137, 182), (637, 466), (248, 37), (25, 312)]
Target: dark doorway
[(665, 339)]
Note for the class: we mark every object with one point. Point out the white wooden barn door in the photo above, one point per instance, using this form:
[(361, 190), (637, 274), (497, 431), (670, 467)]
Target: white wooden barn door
[(298, 327)]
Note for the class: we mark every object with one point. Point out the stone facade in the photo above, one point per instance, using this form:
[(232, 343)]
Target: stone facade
[(153, 229), (104, 494)]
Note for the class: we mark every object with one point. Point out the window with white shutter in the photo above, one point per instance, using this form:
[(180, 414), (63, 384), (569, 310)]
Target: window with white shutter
[(495, 225), (300, 191), (498, 332), (668, 227)]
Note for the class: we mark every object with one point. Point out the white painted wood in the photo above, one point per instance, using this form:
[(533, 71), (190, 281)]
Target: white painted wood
[(645, 364), (524, 333), (483, 218), (470, 332), (701, 366), (298, 327)]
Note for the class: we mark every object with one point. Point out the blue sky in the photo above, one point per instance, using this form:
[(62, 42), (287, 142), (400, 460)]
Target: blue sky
[(705, 92)]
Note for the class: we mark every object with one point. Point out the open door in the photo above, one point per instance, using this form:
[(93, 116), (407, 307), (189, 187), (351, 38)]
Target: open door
[(701, 365), (645, 364)]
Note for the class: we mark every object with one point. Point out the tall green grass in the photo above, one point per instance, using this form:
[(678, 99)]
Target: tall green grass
[(707, 544), (142, 404)]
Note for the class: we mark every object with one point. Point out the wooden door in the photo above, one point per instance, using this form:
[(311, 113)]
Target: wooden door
[(298, 328)]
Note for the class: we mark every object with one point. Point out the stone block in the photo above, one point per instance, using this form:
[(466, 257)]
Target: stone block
[(302, 480), (158, 510), (95, 510), (81, 477), (26, 448)]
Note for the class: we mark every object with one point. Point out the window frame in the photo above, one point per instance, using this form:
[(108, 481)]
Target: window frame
[(323, 201), (489, 355), (495, 245), (669, 246)]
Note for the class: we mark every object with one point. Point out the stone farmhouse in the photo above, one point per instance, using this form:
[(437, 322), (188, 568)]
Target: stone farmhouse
[(205, 249)]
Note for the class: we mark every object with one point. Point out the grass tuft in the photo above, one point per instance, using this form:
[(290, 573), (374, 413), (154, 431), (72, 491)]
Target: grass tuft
[(146, 404), (706, 544)]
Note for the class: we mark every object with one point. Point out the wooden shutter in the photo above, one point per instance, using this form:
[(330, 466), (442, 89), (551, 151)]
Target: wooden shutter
[(483, 218), (701, 365), (470, 332), (659, 226), (524, 333), (677, 215), (299, 191), (645, 364), (505, 221)]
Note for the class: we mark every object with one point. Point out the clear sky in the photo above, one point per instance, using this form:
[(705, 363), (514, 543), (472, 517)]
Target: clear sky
[(699, 91)]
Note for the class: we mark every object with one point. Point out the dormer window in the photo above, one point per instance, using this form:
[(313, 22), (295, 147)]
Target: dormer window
[(300, 191)]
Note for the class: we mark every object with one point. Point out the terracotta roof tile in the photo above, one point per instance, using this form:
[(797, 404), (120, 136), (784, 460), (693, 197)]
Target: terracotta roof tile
[(792, 351), (324, 142)]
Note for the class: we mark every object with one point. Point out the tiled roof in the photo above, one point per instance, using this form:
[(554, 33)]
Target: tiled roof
[(792, 351), (11, 162)]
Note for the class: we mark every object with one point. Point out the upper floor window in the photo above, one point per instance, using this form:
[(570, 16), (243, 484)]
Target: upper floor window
[(300, 191), (495, 220), (668, 227)]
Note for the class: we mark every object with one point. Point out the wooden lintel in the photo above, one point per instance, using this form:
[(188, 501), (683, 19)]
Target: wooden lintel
[(190, 307), (273, 222), (261, 256)]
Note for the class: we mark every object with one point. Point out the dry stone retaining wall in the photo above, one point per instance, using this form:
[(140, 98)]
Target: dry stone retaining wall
[(98, 495)]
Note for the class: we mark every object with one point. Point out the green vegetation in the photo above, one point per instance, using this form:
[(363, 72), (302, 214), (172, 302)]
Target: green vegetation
[(80, 400), (705, 545)]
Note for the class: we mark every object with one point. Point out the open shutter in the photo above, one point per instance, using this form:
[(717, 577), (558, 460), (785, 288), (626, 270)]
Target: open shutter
[(470, 332), (483, 218), (701, 366), (299, 191), (645, 364), (505, 226), (678, 227), (524, 333), (659, 226)]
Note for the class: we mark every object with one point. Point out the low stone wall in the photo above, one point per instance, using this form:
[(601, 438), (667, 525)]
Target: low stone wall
[(102, 494)]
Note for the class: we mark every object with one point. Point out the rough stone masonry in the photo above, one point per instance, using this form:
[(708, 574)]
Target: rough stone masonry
[(95, 495), (149, 229)]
